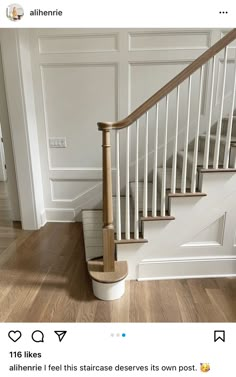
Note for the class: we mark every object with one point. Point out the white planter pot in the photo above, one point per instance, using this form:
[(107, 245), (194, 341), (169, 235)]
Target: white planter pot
[(108, 291)]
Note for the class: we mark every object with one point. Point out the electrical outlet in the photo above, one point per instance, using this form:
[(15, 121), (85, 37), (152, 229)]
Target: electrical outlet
[(57, 142)]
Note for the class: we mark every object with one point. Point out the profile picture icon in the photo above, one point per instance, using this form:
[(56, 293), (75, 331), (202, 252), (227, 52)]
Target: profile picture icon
[(15, 12)]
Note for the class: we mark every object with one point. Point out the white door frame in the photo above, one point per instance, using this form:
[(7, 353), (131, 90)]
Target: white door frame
[(21, 109), (3, 172)]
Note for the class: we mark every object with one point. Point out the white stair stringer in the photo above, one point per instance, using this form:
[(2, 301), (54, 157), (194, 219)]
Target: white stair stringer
[(167, 254)]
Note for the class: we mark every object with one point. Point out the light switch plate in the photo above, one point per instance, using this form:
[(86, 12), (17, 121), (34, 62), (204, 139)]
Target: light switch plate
[(57, 142)]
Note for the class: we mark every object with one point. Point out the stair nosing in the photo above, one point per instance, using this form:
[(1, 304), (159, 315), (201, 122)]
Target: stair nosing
[(186, 194), (157, 218), (219, 170), (130, 241)]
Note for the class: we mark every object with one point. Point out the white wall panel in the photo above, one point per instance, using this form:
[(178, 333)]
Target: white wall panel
[(168, 40), (70, 191), (219, 81), (75, 97), (156, 74), (62, 44)]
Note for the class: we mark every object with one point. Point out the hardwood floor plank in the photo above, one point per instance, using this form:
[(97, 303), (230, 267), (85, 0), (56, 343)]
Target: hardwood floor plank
[(120, 308), (169, 301), (203, 304), (186, 304), (222, 304)]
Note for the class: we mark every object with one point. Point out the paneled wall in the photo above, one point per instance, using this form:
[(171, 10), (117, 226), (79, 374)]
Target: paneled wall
[(82, 76)]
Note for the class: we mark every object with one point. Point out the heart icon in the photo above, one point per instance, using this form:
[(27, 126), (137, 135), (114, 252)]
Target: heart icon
[(14, 335)]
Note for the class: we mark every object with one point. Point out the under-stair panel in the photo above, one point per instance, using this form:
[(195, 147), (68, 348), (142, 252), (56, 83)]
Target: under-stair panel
[(175, 247)]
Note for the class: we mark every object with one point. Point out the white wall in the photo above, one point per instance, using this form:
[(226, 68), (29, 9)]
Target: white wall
[(82, 76)]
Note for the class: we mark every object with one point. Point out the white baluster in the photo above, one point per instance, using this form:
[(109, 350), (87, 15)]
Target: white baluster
[(118, 219), (219, 124), (208, 134), (185, 156), (127, 193), (230, 122), (136, 204), (195, 153), (174, 161), (163, 183), (154, 186), (145, 183)]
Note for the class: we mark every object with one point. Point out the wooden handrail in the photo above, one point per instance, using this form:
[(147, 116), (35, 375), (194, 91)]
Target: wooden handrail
[(171, 85)]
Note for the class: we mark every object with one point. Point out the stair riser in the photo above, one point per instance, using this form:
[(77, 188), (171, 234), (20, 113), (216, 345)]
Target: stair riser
[(169, 179), (224, 127), (189, 166), (140, 196), (233, 157), (200, 161), (212, 149)]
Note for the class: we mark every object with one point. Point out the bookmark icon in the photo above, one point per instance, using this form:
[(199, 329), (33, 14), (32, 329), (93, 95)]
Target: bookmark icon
[(60, 334), (219, 335)]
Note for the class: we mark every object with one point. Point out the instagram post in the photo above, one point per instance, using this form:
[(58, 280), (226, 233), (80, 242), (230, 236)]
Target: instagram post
[(117, 191)]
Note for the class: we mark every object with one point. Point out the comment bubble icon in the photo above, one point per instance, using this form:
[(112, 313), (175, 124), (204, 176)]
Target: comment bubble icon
[(38, 336)]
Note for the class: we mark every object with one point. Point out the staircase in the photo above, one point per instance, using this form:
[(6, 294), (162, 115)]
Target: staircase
[(175, 202)]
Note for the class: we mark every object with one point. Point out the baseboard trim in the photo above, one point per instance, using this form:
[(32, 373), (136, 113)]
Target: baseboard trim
[(43, 218), (60, 215), (187, 268)]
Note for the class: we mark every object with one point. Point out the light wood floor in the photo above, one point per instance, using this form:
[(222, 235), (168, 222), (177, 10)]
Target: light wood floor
[(43, 277), (5, 212)]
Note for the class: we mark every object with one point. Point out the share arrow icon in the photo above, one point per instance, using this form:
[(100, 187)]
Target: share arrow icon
[(60, 334)]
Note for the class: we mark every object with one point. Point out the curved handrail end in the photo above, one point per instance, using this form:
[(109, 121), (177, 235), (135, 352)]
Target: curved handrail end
[(102, 126)]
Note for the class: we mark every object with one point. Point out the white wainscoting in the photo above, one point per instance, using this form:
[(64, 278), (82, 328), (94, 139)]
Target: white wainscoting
[(82, 76)]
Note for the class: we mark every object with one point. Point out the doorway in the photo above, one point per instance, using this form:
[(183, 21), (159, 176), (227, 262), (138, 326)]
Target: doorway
[(9, 201), (5, 208)]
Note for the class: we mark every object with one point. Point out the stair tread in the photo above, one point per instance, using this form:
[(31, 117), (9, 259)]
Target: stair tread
[(186, 194), (157, 218), (131, 240), (223, 138), (212, 170), (95, 269)]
